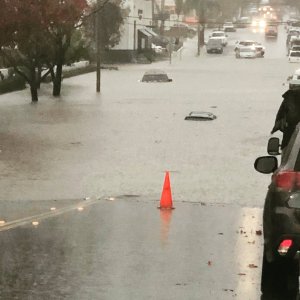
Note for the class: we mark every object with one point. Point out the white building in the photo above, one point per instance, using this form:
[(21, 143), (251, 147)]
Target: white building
[(136, 31)]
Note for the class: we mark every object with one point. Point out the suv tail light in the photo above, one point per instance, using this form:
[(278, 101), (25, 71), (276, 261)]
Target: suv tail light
[(287, 180), (284, 247)]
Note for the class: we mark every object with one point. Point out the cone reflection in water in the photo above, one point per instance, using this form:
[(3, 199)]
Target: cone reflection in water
[(166, 201), (165, 218)]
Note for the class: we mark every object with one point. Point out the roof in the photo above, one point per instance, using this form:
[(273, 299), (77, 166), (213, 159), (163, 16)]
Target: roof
[(150, 31), (155, 71), (145, 32)]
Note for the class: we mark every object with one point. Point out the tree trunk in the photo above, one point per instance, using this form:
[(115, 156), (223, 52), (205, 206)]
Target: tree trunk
[(201, 37), (33, 85), (39, 77), (57, 81), (34, 92)]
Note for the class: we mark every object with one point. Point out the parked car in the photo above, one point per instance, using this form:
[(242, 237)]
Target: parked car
[(292, 34), (294, 41), (214, 45), (220, 34), (281, 218), (260, 49), (294, 56), (294, 80), (158, 49), (246, 52)]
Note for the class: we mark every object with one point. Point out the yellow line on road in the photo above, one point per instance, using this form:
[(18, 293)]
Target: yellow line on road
[(46, 215)]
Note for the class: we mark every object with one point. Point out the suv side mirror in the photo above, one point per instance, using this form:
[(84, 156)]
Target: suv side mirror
[(266, 164), (273, 146)]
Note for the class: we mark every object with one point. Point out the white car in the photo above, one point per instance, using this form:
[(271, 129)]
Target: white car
[(246, 52), (294, 81), (220, 34), (157, 49), (260, 49), (294, 56)]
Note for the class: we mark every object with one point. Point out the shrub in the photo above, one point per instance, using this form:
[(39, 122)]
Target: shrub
[(14, 83)]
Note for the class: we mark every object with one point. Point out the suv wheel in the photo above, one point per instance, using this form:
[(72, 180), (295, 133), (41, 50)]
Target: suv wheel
[(280, 277)]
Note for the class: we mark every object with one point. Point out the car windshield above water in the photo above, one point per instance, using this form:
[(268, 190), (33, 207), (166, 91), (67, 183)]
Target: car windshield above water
[(247, 49), (246, 43), (155, 76)]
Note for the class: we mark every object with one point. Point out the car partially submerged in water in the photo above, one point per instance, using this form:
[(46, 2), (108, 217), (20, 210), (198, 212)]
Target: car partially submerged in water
[(156, 76)]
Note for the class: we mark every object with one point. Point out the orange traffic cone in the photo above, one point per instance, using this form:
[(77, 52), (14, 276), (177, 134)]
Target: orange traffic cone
[(166, 195)]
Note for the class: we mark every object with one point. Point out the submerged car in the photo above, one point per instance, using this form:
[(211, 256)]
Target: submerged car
[(281, 217), (156, 76)]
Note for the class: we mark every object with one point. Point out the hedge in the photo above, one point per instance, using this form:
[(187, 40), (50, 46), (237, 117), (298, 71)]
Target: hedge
[(11, 84)]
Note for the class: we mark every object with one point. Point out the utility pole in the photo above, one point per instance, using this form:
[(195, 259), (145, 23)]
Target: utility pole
[(134, 35), (98, 71), (162, 16), (198, 33), (201, 24)]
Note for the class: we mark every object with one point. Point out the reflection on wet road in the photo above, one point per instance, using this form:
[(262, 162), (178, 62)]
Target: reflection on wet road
[(131, 250)]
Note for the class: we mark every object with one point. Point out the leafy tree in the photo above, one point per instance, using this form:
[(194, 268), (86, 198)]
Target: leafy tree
[(22, 42), (111, 18), (202, 9), (62, 17), (35, 33), (179, 7), (79, 47)]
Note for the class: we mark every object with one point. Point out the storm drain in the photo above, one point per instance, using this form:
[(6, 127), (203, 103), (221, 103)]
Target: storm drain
[(200, 116)]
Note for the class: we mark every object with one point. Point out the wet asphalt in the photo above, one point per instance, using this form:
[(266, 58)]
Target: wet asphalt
[(121, 248)]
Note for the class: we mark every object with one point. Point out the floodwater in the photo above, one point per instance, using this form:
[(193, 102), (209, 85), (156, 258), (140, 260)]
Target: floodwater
[(118, 145)]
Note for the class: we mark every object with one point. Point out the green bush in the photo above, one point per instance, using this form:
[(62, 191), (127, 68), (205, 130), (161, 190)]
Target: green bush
[(11, 84), (79, 71)]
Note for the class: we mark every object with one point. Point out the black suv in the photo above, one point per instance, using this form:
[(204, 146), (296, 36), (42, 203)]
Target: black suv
[(281, 219)]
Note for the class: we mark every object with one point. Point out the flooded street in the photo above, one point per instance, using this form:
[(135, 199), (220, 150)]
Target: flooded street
[(117, 146)]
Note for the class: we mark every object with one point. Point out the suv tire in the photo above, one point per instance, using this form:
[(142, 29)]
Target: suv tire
[(280, 277)]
